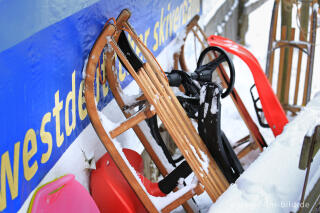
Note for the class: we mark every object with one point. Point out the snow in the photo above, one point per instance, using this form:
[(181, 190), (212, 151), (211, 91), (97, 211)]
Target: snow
[(206, 107), (250, 2), (174, 46), (84, 69), (316, 7), (214, 103), (202, 95), (204, 160), (109, 39), (146, 130), (108, 48), (221, 26), (273, 183)]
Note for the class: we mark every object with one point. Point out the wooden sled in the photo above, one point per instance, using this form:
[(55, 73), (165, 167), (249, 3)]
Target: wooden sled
[(287, 43), (179, 58), (159, 99)]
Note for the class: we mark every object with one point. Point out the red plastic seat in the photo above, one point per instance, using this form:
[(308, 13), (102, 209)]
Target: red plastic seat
[(271, 106), (109, 188)]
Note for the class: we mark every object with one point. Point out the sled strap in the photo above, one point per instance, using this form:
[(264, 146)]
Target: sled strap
[(170, 182)]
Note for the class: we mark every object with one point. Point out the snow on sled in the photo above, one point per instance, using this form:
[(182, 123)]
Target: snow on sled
[(157, 99)]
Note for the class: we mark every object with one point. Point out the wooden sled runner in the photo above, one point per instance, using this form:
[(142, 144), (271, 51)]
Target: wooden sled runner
[(158, 99)]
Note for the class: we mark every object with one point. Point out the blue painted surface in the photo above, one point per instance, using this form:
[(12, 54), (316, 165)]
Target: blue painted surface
[(39, 63)]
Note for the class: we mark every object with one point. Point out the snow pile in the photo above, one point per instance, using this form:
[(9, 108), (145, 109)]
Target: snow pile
[(209, 11), (273, 183)]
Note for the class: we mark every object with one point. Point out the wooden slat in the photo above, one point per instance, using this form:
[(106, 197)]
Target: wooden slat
[(199, 39), (193, 22), (306, 147), (173, 125), (185, 121), (246, 150), (243, 140), (304, 152), (131, 122), (178, 136), (163, 86), (202, 32), (280, 73), (292, 108), (309, 71), (195, 141), (188, 195), (310, 147), (297, 85), (289, 67), (281, 44), (272, 38), (313, 200)]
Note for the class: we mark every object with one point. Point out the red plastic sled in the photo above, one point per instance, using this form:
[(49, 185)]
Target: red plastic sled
[(110, 189), (271, 106)]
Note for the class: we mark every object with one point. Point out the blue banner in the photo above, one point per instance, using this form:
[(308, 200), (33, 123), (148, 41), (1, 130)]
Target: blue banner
[(41, 62)]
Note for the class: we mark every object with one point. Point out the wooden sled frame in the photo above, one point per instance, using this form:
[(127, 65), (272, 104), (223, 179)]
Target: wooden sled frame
[(164, 103), (179, 58), (304, 45)]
